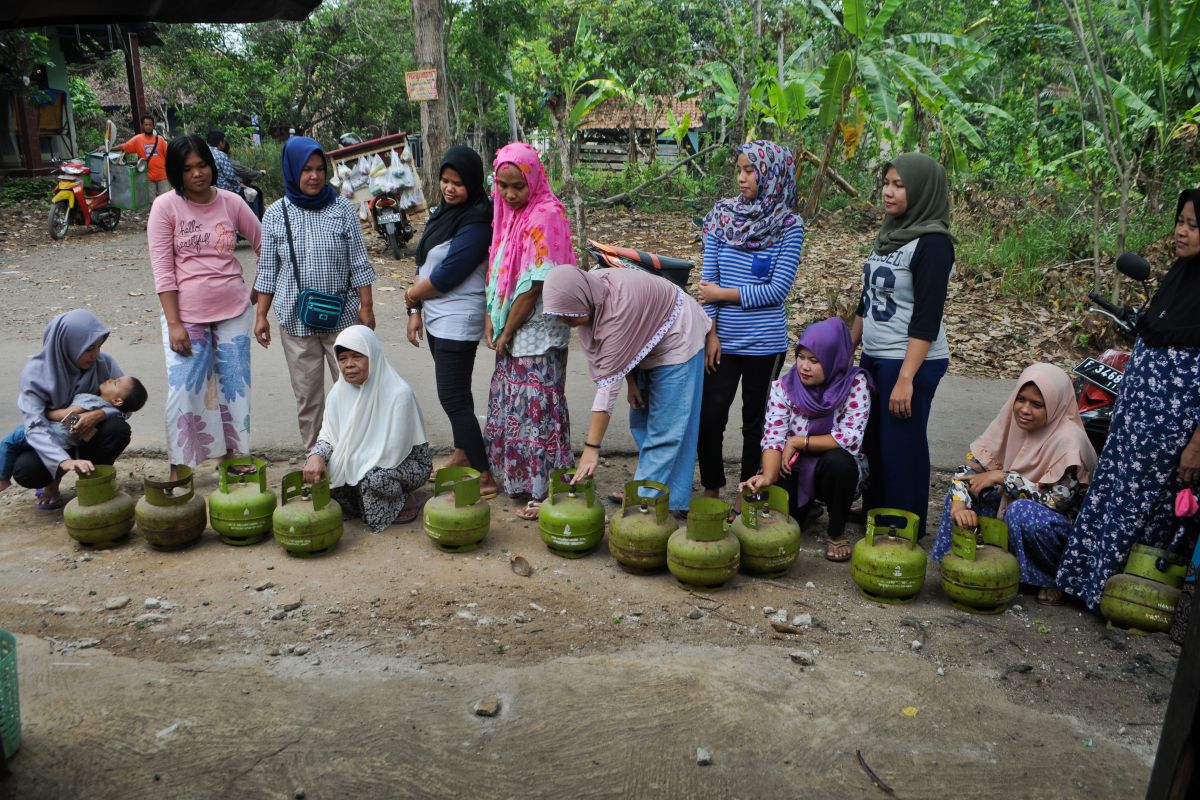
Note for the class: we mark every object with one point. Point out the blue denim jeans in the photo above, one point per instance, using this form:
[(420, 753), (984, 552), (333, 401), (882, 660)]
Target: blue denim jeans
[(9, 447), (666, 430)]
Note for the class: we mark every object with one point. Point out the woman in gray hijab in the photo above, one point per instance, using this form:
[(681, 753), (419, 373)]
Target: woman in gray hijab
[(70, 363)]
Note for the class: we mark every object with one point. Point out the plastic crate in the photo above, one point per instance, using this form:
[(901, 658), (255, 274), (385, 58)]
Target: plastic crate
[(10, 706)]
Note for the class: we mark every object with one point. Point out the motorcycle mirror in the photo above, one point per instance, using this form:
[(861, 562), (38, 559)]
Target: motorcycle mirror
[(1133, 266), (110, 133)]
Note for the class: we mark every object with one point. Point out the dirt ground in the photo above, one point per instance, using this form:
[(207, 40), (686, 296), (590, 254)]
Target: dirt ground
[(243, 672)]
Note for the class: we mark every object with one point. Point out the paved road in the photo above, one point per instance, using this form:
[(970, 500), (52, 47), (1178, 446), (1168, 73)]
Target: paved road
[(962, 409)]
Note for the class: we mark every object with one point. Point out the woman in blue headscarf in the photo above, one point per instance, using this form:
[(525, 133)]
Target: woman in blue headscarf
[(311, 239)]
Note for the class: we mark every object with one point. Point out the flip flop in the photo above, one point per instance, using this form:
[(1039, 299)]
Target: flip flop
[(617, 497), (50, 505), (408, 514), (489, 495), (529, 512), (838, 544)]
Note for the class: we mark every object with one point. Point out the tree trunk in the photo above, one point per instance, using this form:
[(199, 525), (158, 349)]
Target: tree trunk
[(514, 131), (814, 195), (429, 52), (558, 108)]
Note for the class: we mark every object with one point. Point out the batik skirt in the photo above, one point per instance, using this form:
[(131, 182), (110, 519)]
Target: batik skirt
[(528, 429)]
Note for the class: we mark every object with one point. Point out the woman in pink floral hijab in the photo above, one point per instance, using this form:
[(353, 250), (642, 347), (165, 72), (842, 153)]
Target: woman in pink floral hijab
[(528, 428)]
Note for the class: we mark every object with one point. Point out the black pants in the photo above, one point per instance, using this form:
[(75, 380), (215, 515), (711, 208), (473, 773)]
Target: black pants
[(453, 363), (834, 482), (111, 439), (755, 374)]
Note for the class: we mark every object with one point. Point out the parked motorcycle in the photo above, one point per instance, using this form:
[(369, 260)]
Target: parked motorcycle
[(1100, 378), (83, 193), (676, 270), (391, 222)]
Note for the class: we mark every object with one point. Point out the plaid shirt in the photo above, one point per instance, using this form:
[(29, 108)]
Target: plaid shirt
[(331, 254), (226, 176)]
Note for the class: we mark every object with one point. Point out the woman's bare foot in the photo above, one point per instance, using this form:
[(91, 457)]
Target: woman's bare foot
[(1050, 596), (173, 473), (487, 484), (4, 484), (457, 459), (711, 493)]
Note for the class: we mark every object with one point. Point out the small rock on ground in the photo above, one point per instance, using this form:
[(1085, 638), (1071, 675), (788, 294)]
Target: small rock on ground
[(488, 706), (114, 603), (802, 657), (262, 586), (703, 757), (695, 613)]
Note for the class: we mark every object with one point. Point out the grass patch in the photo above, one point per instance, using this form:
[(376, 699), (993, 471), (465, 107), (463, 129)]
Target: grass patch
[(25, 191)]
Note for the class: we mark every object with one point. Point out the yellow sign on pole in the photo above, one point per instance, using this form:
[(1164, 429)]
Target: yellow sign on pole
[(421, 84)]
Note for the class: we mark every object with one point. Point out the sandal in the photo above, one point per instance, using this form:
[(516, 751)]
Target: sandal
[(838, 549), (529, 511), (1051, 596), (410, 511), (50, 504), (616, 497)]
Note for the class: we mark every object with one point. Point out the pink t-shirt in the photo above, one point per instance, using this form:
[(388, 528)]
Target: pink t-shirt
[(191, 251)]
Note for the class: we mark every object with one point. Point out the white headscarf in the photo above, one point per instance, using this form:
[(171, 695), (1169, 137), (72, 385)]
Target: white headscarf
[(374, 424)]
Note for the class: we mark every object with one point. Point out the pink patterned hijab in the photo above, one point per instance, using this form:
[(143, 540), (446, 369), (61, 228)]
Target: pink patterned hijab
[(525, 243), (1044, 455)]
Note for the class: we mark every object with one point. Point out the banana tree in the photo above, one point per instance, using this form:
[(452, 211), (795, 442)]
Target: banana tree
[(1168, 36), (879, 72)]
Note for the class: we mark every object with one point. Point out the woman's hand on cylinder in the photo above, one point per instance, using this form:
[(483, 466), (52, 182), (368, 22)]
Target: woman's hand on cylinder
[(262, 331), (313, 467), (1189, 462), (366, 316), (585, 467), (80, 465), (755, 483), (416, 330), (179, 339), (900, 403), (963, 517)]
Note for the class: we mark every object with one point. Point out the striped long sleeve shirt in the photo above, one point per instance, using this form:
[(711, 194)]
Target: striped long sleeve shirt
[(757, 325)]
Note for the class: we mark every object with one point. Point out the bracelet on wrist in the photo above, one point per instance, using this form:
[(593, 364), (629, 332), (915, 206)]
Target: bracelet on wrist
[(593, 446), (806, 442)]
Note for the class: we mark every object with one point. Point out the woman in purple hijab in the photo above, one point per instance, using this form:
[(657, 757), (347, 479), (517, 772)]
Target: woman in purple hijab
[(813, 432)]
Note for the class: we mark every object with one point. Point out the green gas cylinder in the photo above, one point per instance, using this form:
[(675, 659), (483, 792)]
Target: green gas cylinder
[(308, 522), (170, 515), (637, 537), (570, 519), (1143, 598), (241, 507), (455, 518), (705, 554), (770, 538), (887, 564), (979, 575), (100, 515)]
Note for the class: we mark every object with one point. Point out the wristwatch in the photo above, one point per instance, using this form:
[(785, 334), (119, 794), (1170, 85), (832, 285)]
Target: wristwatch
[(413, 310)]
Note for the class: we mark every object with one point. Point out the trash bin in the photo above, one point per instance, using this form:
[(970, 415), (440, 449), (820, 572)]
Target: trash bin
[(129, 190)]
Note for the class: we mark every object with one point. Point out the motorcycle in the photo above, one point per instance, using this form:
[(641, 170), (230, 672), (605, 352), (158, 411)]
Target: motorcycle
[(82, 195), (391, 222), (677, 270), (1099, 379)]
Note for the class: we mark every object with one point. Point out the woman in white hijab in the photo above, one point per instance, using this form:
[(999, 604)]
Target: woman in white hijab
[(372, 441)]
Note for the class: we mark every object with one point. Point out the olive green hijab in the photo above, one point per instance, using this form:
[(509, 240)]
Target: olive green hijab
[(928, 203)]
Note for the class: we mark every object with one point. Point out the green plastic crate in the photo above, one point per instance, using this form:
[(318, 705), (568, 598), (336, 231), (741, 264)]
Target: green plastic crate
[(10, 706)]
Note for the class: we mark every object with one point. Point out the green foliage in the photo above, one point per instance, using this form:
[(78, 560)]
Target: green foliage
[(21, 52), (25, 191)]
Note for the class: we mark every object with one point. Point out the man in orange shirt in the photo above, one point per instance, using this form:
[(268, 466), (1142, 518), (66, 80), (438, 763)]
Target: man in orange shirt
[(152, 147)]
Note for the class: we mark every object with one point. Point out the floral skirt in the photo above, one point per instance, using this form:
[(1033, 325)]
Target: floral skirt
[(528, 429), (1131, 499), (208, 392)]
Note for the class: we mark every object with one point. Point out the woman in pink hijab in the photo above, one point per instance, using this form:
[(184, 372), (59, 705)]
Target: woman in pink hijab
[(640, 331), (1031, 467), (528, 429)]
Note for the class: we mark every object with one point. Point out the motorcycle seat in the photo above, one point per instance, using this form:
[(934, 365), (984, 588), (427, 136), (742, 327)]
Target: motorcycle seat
[(676, 270)]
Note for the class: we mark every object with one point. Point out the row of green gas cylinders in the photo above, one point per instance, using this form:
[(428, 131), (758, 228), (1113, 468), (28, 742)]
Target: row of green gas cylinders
[(170, 515)]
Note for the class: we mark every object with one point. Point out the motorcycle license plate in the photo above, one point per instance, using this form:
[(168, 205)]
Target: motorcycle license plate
[(387, 217), (1100, 374)]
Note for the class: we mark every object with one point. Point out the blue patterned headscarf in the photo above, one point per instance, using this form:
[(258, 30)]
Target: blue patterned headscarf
[(296, 152), (760, 223)]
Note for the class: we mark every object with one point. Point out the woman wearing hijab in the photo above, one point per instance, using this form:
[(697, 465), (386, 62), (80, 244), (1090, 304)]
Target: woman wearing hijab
[(752, 246), (313, 232), (372, 441), (643, 331), (528, 428), (207, 314), (899, 322), (446, 304), (1031, 468), (813, 433), (70, 363), (1153, 447)]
